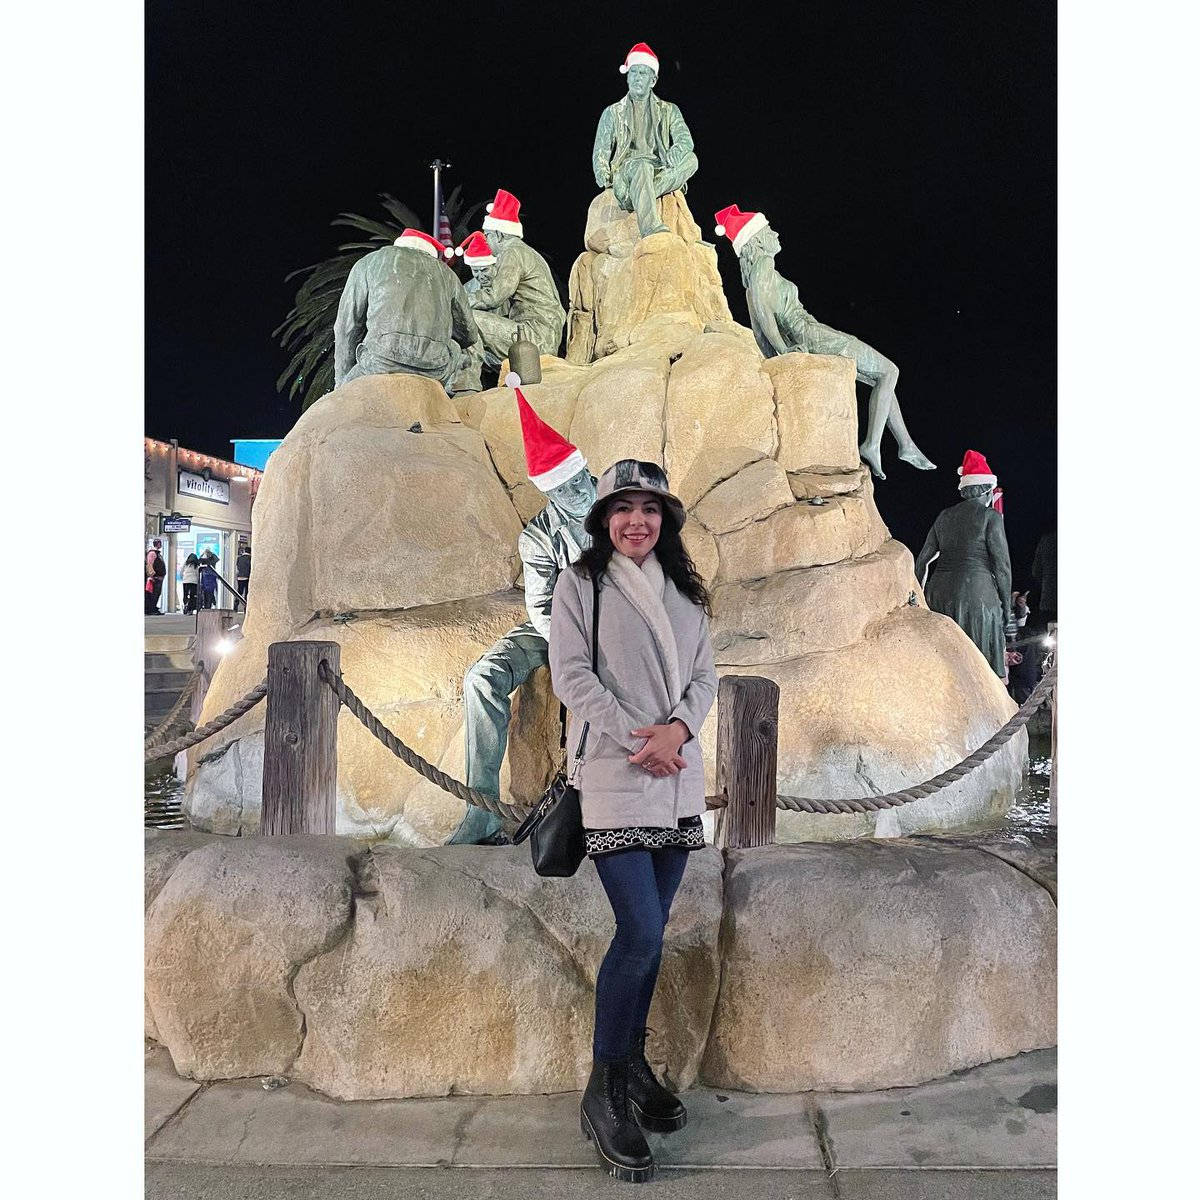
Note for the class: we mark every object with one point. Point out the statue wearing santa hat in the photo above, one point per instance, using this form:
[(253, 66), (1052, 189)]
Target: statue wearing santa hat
[(972, 582), (549, 543), (403, 312), (643, 147), (511, 286)]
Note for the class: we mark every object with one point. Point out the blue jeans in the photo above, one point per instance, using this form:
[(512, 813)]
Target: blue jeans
[(640, 885)]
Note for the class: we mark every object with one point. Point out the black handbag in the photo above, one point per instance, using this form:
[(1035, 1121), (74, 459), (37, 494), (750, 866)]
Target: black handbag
[(555, 827)]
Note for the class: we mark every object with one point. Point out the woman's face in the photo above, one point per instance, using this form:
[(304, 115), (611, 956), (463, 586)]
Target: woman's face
[(634, 523)]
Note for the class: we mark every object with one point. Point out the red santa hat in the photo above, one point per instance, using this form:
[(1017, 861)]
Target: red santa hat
[(475, 251), (414, 239), (640, 56), (504, 214), (975, 469), (550, 460), (738, 226)]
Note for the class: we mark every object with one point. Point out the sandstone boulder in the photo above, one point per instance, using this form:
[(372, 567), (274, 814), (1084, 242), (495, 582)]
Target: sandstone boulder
[(466, 974), (890, 710), (802, 611), (871, 965), (358, 511), (818, 411), (753, 494), (390, 972), (629, 282), (224, 938)]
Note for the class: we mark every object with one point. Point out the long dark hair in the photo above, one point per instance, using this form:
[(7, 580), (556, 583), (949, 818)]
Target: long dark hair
[(674, 559)]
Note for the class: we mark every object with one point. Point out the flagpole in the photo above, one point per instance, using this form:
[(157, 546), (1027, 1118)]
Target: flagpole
[(437, 166)]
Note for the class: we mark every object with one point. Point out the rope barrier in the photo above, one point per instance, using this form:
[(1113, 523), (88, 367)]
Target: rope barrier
[(919, 791), (408, 756), (238, 709), (169, 720)]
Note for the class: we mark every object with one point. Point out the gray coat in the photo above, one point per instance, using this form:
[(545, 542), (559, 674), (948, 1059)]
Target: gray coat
[(629, 692)]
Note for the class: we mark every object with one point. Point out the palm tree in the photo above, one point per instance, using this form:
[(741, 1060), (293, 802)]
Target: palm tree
[(307, 330)]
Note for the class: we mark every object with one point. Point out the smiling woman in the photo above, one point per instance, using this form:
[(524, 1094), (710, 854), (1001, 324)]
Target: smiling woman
[(641, 784)]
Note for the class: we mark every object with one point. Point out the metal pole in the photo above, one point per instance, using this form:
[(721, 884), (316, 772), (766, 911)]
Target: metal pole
[(437, 166)]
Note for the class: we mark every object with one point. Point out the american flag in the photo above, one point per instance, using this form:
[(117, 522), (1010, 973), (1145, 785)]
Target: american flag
[(444, 234)]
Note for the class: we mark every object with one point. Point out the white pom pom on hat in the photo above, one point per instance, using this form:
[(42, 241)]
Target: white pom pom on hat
[(719, 231), (512, 380), (489, 206)]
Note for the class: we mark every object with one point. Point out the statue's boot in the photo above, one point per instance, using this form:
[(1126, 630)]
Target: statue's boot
[(651, 1105), (910, 454), (870, 455)]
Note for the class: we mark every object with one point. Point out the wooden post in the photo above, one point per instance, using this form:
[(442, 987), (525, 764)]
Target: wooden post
[(300, 747), (211, 624), (747, 754)]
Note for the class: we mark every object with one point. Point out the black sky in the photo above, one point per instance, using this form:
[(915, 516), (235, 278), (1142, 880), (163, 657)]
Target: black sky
[(904, 151)]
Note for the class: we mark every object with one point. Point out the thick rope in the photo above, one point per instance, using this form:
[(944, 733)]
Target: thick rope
[(919, 791), (239, 709), (169, 720), (408, 756)]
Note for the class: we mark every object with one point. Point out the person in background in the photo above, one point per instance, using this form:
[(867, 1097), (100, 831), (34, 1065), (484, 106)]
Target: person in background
[(242, 578), (191, 583), (208, 583), (1045, 576), (156, 570)]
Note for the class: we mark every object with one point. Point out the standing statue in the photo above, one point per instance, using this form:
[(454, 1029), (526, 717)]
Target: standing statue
[(973, 580), (643, 148), (548, 544), (781, 325), (403, 312), (513, 285)]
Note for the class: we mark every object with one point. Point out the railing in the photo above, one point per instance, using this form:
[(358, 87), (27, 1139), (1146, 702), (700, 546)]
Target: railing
[(304, 690)]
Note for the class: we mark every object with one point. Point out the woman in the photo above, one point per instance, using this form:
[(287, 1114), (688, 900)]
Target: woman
[(191, 582), (972, 583), (208, 584), (642, 777)]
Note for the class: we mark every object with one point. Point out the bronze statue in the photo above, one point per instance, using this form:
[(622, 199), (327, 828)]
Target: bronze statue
[(972, 583), (643, 148), (511, 286), (782, 325), (403, 312)]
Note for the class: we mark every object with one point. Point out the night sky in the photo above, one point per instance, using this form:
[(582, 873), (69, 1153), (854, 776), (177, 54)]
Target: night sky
[(905, 152)]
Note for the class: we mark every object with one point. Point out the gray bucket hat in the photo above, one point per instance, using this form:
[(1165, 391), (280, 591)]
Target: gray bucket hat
[(632, 475)]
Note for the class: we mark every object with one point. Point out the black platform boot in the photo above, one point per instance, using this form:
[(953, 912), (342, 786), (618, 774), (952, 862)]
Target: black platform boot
[(650, 1104), (605, 1120)]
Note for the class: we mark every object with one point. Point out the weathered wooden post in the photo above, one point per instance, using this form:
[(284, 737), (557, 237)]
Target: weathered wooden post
[(211, 624), (300, 745), (747, 754)]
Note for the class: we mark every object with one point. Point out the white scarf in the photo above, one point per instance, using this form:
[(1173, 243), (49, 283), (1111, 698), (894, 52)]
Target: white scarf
[(644, 587)]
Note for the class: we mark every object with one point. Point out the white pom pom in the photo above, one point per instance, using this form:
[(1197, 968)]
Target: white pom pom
[(624, 69), (512, 380), (489, 206), (720, 230), (459, 251), (447, 252)]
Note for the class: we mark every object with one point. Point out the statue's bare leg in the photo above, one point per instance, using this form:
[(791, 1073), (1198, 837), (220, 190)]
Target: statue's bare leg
[(908, 451), (884, 412)]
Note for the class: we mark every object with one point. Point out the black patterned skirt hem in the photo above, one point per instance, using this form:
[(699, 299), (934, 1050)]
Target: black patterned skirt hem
[(688, 835)]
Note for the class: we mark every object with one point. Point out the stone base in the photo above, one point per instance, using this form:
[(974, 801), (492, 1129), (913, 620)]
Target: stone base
[(385, 972)]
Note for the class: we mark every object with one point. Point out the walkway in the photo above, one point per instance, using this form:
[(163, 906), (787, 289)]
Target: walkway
[(983, 1134)]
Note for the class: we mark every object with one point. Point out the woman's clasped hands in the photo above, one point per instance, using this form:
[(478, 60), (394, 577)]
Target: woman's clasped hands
[(660, 754)]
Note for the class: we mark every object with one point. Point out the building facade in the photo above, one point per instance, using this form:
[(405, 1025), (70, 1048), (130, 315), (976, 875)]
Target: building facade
[(196, 502)]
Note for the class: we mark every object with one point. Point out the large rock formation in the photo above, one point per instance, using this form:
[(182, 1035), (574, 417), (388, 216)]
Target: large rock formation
[(388, 519), (371, 972)]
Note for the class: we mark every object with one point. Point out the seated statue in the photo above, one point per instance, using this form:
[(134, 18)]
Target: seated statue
[(781, 325), (643, 148), (972, 583), (549, 543), (403, 312), (511, 286)]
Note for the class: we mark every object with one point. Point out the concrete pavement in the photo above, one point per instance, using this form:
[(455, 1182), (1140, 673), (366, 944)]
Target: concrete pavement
[(983, 1134)]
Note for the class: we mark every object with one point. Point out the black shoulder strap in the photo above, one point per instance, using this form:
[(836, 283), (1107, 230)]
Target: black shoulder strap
[(595, 623)]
